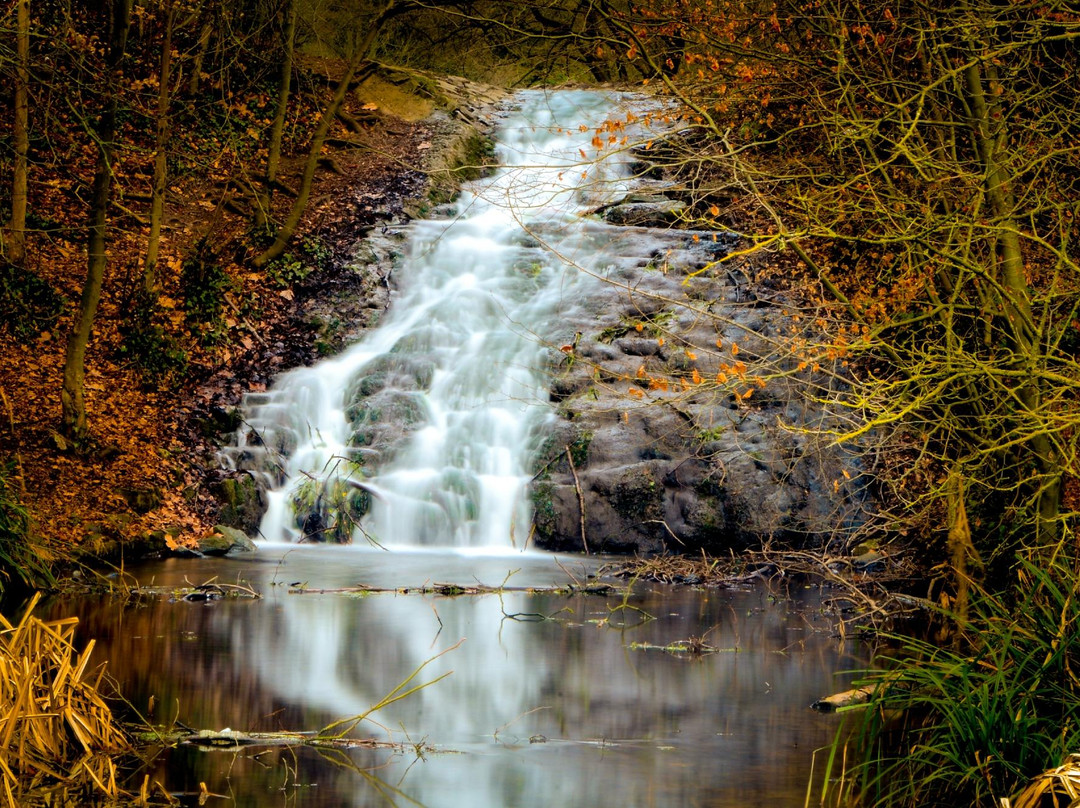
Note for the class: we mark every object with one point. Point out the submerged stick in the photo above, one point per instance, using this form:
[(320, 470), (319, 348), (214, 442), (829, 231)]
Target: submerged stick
[(453, 590)]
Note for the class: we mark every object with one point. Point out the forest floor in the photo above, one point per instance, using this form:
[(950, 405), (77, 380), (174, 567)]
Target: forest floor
[(142, 472)]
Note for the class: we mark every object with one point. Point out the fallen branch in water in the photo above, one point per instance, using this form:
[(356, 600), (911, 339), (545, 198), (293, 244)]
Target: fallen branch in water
[(231, 739), (859, 697), (453, 590), (332, 736), (198, 593)]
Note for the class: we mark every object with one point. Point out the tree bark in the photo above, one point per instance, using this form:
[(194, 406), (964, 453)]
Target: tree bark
[(16, 246), (1016, 309), (262, 202), (200, 55), (73, 415), (288, 228), (157, 201)]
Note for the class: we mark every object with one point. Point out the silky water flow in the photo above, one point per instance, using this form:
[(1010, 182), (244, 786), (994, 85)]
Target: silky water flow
[(423, 433)]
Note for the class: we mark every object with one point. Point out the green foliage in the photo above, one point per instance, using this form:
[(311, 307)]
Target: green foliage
[(28, 305), (982, 718), (204, 284), (648, 325), (154, 351), (19, 562), (309, 255), (579, 449)]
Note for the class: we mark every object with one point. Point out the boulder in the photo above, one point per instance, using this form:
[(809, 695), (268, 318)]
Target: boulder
[(645, 211), (225, 540)]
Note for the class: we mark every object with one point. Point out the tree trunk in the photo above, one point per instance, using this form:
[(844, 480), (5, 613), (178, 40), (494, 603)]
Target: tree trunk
[(262, 202), (200, 55), (286, 231), (16, 246), (73, 417), (157, 201), (988, 124)]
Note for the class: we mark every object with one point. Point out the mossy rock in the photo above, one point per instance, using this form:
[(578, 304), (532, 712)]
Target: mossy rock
[(225, 540), (141, 500), (242, 503)]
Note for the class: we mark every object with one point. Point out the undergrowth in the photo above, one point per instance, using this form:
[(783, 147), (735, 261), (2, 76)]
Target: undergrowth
[(20, 563), (972, 723)]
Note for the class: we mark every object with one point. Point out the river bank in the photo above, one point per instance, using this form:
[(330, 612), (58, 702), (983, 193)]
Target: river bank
[(145, 481)]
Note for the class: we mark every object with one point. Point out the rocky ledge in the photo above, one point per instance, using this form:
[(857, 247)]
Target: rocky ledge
[(687, 421)]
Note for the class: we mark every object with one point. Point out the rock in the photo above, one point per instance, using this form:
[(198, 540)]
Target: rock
[(225, 540), (243, 503), (654, 211), (638, 347), (686, 453), (141, 500)]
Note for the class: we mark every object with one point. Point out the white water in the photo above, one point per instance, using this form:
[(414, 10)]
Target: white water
[(459, 363)]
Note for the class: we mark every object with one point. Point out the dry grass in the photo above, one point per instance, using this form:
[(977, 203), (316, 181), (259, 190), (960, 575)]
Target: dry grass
[(54, 723), (1058, 788)]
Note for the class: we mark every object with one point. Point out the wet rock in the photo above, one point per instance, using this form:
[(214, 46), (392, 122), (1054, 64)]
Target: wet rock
[(651, 211), (686, 452), (242, 502), (638, 347), (225, 540)]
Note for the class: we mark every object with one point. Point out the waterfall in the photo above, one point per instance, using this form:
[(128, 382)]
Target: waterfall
[(423, 433)]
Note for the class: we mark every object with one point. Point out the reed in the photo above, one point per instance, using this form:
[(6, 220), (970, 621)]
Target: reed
[(54, 724), (975, 722)]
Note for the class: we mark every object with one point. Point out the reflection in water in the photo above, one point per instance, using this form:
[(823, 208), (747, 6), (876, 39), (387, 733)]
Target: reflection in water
[(549, 703)]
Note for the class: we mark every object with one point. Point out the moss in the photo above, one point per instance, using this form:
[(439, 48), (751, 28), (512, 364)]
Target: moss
[(470, 157), (543, 507), (651, 326), (579, 449), (638, 496), (330, 510)]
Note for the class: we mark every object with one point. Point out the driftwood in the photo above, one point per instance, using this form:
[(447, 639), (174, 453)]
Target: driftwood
[(231, 739), (210, 590), (453, 590), (859, 697)]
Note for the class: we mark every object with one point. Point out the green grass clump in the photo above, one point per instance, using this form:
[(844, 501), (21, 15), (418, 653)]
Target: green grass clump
[(972, 723)]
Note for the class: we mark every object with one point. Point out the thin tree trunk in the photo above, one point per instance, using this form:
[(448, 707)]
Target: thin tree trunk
[(200, 54), (16, 247), (262, 202), (286, 231), (73, 417), (157, 202), (1016, 307)]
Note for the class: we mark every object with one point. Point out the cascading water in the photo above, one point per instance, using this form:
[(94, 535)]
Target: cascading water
[(423, 432)]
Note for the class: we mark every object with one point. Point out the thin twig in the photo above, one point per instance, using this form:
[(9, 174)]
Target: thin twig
[(580, 498)]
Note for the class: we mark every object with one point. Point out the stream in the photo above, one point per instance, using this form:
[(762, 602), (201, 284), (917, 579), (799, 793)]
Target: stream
[(553, 699), (417, 445)]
